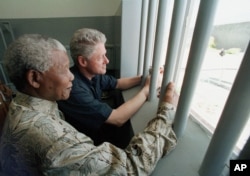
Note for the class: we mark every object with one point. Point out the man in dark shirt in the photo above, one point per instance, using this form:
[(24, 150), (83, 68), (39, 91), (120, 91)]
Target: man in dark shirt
[(85, 109)]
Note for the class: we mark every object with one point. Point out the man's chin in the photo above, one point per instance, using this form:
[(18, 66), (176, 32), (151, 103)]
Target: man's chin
[(64, 97)]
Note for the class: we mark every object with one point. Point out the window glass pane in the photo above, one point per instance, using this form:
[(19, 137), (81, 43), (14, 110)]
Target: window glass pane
[(228, 42)]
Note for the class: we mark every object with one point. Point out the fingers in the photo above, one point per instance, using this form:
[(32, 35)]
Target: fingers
[(170, 89), (161, 70), (170, 94), (158, 92)]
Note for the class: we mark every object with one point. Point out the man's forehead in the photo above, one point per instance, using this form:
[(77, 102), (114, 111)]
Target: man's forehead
[(60, 57)]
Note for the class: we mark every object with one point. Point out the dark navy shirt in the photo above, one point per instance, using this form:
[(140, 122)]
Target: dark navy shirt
[(85, 109)]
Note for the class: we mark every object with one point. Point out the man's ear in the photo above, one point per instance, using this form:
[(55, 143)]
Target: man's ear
[(33, 77), (82, 61)]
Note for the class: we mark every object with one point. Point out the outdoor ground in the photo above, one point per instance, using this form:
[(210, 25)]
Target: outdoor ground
[(214, 85)]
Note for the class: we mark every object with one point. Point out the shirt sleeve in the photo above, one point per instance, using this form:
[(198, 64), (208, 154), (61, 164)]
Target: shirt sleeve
[(73, 153), (108, 82)]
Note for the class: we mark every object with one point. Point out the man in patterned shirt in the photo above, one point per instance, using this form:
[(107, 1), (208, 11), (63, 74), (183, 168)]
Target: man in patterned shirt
[(37, 141)]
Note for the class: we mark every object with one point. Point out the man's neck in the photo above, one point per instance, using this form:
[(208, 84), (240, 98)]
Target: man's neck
[(86, 74)]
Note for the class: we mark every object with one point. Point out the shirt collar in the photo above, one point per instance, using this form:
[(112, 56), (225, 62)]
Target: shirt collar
[(35, 103), (75, 70)]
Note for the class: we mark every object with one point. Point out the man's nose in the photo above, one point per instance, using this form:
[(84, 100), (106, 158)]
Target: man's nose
[(72, 77), (106, 60)]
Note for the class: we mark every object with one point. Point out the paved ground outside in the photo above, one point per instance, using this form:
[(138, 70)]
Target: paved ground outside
[(214, 85)]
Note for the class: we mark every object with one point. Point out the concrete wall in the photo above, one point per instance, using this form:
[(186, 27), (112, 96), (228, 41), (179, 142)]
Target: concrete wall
[(58, 8), (130, 36), (232, 35), (60, 18)]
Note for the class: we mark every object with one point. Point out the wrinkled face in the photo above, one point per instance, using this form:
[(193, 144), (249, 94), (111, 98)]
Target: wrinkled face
[(96, 64), (57, 81)]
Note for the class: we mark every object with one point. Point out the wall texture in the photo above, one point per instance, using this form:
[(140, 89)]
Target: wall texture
[(232, 35), (60, 18), (63, 28), (57, 8)]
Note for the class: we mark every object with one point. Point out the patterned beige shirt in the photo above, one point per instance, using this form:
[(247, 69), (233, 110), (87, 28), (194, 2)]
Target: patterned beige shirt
[(37, 141)]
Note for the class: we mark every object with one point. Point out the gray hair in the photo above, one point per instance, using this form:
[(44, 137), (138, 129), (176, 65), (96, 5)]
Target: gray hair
[(30, 51), (84, 41)]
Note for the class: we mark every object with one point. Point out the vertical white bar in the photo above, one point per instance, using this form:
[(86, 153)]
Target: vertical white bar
[(144, 17), (177, 24), (151, 27), (161, 42), (202, 31)]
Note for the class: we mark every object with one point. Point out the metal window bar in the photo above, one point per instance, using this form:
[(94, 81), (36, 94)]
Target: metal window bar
[(143, 33), (160, 49), (232, 121), (151, 27), (174, 41), (202, 31), (190, 13), (234, 115)]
